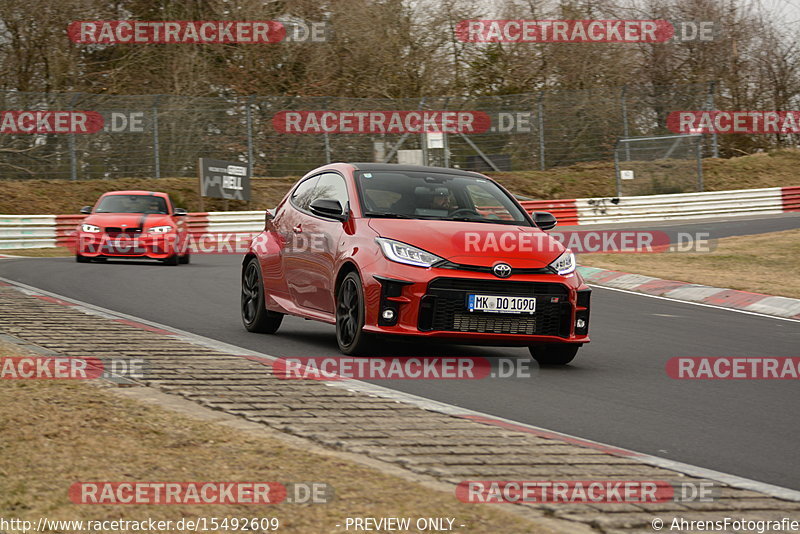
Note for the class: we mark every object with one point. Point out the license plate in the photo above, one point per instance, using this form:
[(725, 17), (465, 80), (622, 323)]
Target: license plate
[(501, 304)]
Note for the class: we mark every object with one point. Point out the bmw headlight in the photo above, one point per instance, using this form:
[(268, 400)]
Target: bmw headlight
[(565, 263), (90, 228), (403, 253), (161, 229)]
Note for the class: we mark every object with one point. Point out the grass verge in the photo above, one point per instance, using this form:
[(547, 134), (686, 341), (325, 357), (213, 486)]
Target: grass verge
[(764, 263), (55, 252), (584, 180), (55, 433)]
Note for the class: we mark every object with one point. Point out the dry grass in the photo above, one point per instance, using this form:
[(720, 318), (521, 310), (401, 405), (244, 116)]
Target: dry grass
[(67, 197), (765, 263), (594, 179), (55, 252), (55, 433)]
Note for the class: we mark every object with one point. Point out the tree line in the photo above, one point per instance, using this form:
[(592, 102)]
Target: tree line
[(406, 49)]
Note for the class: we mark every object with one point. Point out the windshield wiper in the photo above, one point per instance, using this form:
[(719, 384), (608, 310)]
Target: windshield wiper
[(387, 214), (469, 219), (483, 220)]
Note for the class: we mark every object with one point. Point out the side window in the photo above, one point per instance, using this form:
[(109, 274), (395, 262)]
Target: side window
[(488, 204), (304, 192), (331, 186)]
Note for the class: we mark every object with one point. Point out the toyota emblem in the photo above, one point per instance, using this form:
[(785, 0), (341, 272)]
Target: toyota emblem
[(502, 270)]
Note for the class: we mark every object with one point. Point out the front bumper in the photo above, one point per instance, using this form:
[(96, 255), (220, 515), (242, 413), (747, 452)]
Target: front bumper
[(432, 303), (153, 246)]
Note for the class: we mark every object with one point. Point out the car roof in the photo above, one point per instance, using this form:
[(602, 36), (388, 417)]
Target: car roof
[(133, 192), (417, 168)]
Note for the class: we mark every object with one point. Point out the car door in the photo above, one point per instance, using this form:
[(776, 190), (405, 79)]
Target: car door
[(319, 244), (291, 224)]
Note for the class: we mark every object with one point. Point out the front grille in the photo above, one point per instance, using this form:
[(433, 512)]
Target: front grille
[(483, 269), (444, 308), (494, 323), (112, 231)]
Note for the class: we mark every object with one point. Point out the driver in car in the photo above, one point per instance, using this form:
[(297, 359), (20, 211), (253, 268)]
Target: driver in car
[(441, 199), (154, 206)]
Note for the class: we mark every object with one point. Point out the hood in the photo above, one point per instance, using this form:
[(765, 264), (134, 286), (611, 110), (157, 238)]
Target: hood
[(481, 244), (128, 220)]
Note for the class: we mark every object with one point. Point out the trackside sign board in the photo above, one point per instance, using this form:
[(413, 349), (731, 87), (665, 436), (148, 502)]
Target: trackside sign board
[(224, 179)]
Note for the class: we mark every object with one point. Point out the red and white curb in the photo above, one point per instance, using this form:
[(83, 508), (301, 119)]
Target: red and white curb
[(787, 308), (407, 398)]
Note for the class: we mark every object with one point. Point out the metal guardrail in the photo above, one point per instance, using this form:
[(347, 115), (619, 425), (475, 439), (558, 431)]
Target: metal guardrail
[(46, 231), (680, 206)]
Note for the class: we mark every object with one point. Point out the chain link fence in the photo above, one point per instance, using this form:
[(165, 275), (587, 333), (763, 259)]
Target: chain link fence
[(162, 135), (659, 165)]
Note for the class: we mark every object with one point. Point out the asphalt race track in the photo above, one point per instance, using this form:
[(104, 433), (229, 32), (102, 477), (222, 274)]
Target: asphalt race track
[(716, 228), (615, 392)]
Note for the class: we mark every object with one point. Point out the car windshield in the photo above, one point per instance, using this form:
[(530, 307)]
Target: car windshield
[(434, 195), (132, 204)]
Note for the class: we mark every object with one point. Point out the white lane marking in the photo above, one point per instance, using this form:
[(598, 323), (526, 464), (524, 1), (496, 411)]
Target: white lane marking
[(437, 406), (695, 303)]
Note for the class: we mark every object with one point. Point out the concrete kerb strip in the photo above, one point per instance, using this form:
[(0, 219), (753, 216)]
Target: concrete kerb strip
[(191, 409), (756, 303), (420, 402)]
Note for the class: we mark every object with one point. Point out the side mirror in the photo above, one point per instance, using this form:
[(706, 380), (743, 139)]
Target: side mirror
[(544, 220), (328, 208), (180, 212), (86, 210)]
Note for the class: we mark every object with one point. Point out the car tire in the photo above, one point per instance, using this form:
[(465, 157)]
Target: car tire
[(82, 259), (350, 315), (172, 260), (184, 260), (554, 354), (255, 316)]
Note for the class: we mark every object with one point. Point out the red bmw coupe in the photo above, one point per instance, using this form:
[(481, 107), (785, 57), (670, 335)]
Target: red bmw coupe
[(436, 253), (133, 224)]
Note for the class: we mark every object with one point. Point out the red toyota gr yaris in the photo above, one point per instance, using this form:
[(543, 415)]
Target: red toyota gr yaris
[(436, 253), (133, 224)]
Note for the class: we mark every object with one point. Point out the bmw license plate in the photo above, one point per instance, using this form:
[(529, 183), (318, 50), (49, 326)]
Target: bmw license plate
[(501, 304)]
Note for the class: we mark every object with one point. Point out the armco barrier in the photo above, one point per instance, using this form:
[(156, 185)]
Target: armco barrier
[(791, 198), (46, 231), (681, 206), (27, 231), (566, 211)]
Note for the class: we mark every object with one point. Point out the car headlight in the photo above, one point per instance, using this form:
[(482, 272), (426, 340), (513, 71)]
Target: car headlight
[(403, 253), (565, 263), (90, 228), (161, 229)]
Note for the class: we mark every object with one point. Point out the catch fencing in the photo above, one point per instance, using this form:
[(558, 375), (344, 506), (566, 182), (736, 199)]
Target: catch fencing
[(164, 135)]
